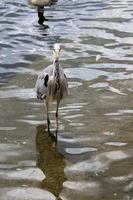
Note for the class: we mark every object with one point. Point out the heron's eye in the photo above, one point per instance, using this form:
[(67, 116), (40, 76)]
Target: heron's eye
[(46, 80)]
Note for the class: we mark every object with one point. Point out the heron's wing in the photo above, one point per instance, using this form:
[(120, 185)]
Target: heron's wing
[(41, 86), (42, 82)]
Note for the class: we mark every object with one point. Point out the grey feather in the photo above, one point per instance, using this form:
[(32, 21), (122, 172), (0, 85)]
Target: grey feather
[(51, 90)]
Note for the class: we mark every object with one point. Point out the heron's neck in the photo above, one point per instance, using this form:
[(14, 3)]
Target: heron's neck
[(57, 72), (56, 66)]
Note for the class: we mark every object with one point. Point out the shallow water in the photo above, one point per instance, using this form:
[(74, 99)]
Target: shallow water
[(93, 158)]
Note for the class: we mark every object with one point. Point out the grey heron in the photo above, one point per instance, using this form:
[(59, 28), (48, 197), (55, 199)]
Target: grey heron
[(40, 8), (52, 85)]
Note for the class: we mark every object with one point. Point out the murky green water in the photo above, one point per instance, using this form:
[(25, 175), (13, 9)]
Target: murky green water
[(93, 159)]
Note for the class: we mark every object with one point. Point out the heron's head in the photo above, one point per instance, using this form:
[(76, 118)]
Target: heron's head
[(56, 52)]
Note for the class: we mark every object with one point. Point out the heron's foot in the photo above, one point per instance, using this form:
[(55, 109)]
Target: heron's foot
[(45, 26), (48, 124), (45, 19), (41, 20), (56, 135), (49, 133), (53, 138)]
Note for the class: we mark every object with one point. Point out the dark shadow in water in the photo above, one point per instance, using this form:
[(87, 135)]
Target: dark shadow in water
[(50, 161)]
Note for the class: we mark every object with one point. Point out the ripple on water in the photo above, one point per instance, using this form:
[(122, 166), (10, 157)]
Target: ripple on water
[(80, 189), (26, 193), (117, 144), (10, 151), (76, 151), (7, 128), (18, 93), (32, 174), (96, 38), (97, 163)]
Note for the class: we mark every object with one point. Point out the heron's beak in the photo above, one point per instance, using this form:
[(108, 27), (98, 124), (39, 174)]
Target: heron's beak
[(56, 54)]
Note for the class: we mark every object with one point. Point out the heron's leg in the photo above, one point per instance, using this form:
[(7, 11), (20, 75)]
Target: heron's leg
[(48, 120), (56, 117), (41, 17)]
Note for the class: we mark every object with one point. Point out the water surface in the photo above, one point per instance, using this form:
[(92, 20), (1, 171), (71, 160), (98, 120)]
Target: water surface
[(93, 158)]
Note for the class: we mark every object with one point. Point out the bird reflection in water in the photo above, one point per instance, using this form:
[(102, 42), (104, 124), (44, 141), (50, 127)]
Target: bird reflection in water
[(50, 161)]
